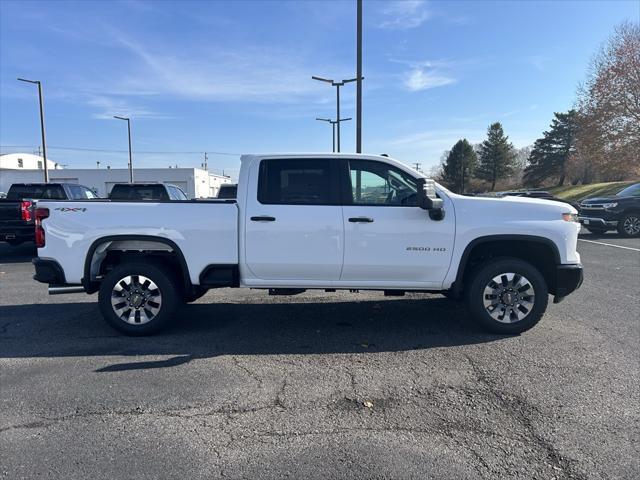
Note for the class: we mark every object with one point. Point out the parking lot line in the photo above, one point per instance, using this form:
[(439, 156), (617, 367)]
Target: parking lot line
[(610, 245)]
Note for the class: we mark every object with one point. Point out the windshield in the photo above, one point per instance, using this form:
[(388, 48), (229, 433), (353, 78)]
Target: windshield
[(630, 191)]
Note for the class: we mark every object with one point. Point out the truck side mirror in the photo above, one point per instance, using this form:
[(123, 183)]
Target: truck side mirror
[(428, 199)]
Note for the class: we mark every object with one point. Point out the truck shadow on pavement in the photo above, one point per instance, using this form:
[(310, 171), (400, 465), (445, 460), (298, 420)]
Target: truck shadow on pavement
[(209, 330)]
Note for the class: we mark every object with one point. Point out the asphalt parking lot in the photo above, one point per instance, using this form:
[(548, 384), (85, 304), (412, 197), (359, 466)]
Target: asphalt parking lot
[(323, 385)]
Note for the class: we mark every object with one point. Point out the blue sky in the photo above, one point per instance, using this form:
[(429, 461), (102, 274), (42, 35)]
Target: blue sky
[(236, 76)]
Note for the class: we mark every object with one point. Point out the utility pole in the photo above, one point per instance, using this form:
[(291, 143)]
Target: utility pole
[(333, 128), (417, 167), (337, 85), (206, 166), (44, 146), (358, 76), (129, 132)]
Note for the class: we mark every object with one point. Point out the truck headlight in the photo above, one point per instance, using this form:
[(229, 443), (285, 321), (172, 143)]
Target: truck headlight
[(607, 206), (570, 217)]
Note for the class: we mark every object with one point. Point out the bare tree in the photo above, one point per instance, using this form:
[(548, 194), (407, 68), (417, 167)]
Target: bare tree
[(608, 143)]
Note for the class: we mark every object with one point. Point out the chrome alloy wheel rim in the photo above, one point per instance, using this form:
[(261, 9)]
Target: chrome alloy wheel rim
[(509, 297), (632, 225), (136, 299)]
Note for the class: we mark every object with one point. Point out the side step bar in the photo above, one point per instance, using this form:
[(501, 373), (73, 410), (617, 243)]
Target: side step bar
[(286, 291), (61, 289)]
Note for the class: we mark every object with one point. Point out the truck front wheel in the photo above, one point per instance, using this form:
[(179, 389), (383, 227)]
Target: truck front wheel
[(507, 295), (138, 298)]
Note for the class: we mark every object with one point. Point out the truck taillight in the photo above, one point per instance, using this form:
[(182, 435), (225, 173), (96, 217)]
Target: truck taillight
[(41, 214), (25, 210)]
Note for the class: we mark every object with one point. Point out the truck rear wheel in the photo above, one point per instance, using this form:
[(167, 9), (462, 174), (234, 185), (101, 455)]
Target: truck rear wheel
[(507, 295), (138, 298)]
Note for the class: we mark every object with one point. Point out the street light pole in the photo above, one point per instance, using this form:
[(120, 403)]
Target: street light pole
[(338, 113), (44, 146), (129, 132), (333, 128), (333, 136), (359, 76), (337, 85)]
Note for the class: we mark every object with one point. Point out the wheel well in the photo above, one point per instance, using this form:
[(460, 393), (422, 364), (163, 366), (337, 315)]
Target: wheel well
[(107, 253), (540, 254)]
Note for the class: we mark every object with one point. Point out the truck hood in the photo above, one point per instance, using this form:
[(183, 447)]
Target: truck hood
[(509, 208)]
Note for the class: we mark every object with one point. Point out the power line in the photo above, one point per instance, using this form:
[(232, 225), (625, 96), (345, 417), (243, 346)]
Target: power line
[(101, 150)]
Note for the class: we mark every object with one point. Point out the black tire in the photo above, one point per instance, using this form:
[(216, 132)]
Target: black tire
[(169, 298), (596, 231), (481, 278), (629, 224)]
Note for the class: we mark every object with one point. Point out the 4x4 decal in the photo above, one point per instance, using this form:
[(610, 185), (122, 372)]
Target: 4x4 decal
[(71, 209)]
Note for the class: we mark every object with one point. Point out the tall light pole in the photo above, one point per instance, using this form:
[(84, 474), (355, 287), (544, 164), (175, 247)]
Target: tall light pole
[(359, 76), (337, 85), (44, 146), (129, 131), (333, 127)]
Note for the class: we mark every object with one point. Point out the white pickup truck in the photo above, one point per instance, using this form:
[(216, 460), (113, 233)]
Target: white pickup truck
[(313, 221)]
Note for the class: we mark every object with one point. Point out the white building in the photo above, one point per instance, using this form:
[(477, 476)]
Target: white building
[(25, 161), (195, 182)]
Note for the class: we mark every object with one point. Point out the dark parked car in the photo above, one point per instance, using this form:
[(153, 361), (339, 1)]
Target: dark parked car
[(620, 212), (147, 192), (228, 190), (17, 217)]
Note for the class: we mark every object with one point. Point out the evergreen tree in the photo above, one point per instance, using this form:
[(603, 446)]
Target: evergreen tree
[(496, 155), (459, 165), (551, 153)]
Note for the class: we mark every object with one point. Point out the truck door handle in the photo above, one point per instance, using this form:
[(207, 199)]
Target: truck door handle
[(361, 220), (263, 218)]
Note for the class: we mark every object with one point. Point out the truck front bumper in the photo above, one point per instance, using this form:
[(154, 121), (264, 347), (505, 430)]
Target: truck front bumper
[(568, 280)]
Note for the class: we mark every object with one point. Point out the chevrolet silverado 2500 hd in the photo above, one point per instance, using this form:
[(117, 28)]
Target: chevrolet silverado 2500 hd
[(314, 221)]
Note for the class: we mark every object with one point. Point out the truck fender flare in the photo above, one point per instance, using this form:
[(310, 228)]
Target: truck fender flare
[(92, 286), (462, 265)]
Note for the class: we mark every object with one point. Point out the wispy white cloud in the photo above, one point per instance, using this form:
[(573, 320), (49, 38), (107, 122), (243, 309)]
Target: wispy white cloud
[(213, 74), (425, 75), (420, 78), (107, 107), (539, 62), (436, 138), (404, 14)]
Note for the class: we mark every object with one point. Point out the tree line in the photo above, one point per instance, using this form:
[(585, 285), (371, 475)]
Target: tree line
[(597, 140)]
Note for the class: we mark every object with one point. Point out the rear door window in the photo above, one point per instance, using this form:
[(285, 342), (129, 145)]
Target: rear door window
[(298, 182)]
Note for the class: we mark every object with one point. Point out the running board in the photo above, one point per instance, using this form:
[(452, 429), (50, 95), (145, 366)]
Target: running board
[(61, 289), (286, 291)]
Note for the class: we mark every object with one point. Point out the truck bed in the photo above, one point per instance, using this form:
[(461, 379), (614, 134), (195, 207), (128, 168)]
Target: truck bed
[(206, 232)]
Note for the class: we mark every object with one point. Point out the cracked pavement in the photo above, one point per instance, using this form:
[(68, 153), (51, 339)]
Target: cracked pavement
[(337, 385)]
